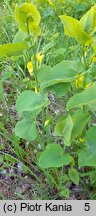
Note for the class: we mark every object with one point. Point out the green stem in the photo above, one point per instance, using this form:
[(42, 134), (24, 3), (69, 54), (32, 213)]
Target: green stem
[(40, 141), (50, 177), (35, 69), (85, 68), (85, 62), (35, 61), (47, 127), (28, 29)]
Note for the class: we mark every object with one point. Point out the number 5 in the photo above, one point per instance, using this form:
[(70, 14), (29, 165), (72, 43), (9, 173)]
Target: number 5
[(87, 207)]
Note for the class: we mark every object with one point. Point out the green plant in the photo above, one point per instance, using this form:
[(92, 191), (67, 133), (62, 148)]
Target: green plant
[(69, 78)]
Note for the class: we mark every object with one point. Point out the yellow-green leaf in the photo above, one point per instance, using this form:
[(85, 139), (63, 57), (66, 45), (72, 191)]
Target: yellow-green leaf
[(15, 49), (88, 20), (28, 17), (74, 29)]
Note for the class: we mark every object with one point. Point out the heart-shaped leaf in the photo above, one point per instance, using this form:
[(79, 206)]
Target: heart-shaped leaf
[(54, 156), (30, 101), (64, 72), (26, 129)]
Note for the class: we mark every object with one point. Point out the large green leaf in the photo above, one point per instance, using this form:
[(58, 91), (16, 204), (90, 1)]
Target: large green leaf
[(15, 49), (54, 156), (88, 20), (26, 129), (30, 101), (87, 157), (74, 29), (87, 97), (79, 119), (64, 72), (59, 89)]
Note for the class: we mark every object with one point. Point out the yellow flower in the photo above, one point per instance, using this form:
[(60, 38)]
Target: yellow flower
[(46, 122), (88, 85), (39, 57), (50, 2), (80, 81), (81, 140), (36, 91), (94, 59), (30, 67)]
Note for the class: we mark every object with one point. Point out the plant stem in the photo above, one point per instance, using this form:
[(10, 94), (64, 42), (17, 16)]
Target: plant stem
[(85, 68), (35, 61), (47, 127), (35, 69)]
